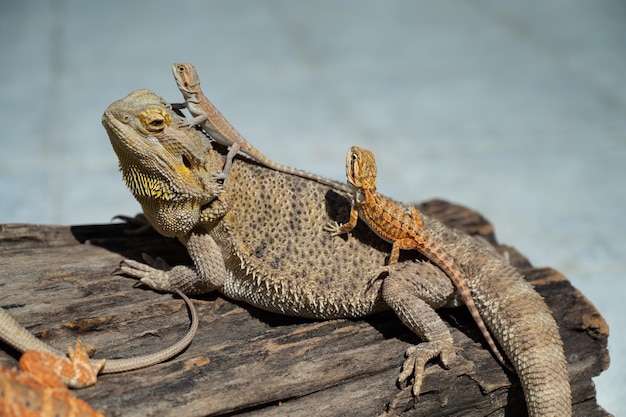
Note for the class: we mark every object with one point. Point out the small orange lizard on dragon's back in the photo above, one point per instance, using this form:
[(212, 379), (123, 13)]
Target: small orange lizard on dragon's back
[(402, 228)]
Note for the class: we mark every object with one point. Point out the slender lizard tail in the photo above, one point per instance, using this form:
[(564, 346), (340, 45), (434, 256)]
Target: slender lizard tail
[(15, 335), (518, 318), (448, 265)]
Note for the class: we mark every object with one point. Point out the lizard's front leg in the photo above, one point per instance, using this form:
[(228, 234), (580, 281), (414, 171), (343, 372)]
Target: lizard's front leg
[(208, 273), (336, 229), (413, 293), (234, 149)]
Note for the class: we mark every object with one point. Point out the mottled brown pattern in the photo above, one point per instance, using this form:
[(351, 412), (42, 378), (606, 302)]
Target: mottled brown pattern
[(263, 241)]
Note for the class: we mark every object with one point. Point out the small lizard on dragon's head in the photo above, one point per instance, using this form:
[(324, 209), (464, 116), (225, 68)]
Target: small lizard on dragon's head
[(206, 115)]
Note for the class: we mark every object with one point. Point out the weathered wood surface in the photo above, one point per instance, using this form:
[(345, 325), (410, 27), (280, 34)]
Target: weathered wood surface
[(58, 282)]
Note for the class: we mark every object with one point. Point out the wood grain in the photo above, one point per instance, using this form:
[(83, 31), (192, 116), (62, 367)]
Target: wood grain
[(58, 282)]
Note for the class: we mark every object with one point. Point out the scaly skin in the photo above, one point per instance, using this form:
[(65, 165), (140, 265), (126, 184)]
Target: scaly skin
[(39, 390), (403, 228), (23, 396), (219, 129), (40, 355), (262, 241)]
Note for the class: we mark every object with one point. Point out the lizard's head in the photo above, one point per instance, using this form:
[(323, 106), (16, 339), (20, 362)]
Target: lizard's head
[(186, 78), (361, 168), (169, 170)]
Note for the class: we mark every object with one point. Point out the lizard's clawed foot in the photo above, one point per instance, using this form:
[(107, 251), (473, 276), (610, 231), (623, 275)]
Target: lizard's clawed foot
[(84, 372), (418, 355), (379, 274), (153, 273), (186, 123), (156, 274), (221, 176), (334, 228)]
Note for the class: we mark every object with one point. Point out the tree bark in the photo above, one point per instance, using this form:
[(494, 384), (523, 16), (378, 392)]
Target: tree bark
[(57, 281)]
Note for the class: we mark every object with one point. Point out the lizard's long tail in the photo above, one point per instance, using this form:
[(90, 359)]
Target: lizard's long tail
[(18, 337), (517, 317)]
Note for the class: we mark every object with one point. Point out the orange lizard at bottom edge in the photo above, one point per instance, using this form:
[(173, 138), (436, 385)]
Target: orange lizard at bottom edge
[(40, 391)]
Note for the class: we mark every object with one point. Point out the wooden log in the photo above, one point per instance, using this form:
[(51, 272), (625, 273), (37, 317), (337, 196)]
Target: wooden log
[(57, 281)]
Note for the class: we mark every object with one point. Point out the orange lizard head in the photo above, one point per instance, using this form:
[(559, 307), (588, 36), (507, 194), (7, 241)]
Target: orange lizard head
[(361, 168)]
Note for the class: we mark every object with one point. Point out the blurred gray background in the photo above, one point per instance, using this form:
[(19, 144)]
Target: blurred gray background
[(516, 109)]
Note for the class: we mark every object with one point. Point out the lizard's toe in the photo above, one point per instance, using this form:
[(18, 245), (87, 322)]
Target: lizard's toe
[(157, 279), (219, 177), (418, 355), (186, 123), (333, 228)]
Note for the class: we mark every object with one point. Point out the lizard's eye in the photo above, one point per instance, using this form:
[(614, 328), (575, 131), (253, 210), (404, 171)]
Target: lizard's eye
[(186, 162), (156, 124), (154, 120)]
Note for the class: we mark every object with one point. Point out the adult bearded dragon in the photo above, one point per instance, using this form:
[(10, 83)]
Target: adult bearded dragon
[(219, 129), (261, 240)]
